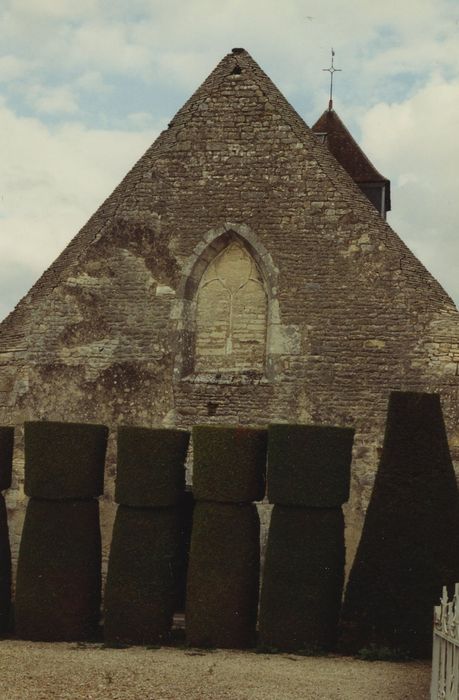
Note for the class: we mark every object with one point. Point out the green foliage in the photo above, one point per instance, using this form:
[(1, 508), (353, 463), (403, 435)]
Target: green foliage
[(6, 456), (309, 465), (229, 463), (141, 589), (223, 576), (303, 580), (409, 546), (58, 579), (5, 570), (150, 466), (64, 460)]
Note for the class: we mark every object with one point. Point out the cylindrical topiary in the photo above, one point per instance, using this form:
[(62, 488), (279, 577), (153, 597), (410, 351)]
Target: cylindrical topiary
[(5, 570), (186, 509), (58, 578), (229, 463), (141, 588), (6, 456), (64, 460), (309, 465), (303, 580), (409, 546), (150, 466), (223, 576)]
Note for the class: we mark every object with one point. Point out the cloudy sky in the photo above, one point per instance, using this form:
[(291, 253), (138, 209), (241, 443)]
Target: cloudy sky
[(85, 87)]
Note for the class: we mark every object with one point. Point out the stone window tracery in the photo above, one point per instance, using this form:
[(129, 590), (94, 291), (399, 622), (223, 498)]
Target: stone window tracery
[(231, 314)]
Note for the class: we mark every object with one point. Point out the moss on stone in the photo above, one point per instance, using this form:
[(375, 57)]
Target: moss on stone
[(309, 465), (6, 456), (409, 546), (302, 580), (150, 466), (5, 570), (229, 463), (58, 579), (223, 576), (141, 589), (64, 460)]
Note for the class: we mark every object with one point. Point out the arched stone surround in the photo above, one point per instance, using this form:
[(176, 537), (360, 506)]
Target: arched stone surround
[(211, 245)]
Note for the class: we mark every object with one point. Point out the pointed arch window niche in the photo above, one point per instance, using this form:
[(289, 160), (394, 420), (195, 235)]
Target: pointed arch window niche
[(226, 308), (231, 314)]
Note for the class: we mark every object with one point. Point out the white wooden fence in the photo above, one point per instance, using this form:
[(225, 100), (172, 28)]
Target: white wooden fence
[(445, 654)]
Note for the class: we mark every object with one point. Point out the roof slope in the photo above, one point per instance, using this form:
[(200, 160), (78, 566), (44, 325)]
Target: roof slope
[(145, 177), (348, 152), (345, 149)]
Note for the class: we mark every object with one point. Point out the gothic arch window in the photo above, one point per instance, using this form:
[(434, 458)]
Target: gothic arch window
[(231, 313)]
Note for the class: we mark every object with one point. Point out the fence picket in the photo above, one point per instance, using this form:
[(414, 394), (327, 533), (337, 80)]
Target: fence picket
[(445, 650)]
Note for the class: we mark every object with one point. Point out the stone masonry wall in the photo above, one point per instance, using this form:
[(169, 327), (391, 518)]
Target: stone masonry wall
[(115, 331)]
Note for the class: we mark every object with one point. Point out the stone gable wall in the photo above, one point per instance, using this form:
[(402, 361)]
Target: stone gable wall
[(108, 334)]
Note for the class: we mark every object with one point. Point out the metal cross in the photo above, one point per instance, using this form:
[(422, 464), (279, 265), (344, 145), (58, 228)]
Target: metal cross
[(331, 70)]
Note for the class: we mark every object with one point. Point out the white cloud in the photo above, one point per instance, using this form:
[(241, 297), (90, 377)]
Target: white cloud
[(415, 142), (111, 60), (138, 121), (109, 46), (52, 9), (51, 181), (12, 68), (52, 100), (92, 81)]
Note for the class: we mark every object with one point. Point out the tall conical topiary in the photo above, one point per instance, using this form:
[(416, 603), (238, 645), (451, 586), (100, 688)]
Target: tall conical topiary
[(223, 574), (409, 546), (308, 480), (141, 592), (5, 570), (6, 466), (58, 588)]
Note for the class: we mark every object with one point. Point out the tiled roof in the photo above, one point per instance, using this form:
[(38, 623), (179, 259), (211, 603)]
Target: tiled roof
[(347, 151)]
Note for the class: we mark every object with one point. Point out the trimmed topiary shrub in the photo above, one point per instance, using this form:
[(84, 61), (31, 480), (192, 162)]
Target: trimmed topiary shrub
[(6, 456), (229, 463), (186, 508), (150, 466), (141, 589), (223, 576), (309, 465), (409, 546), (5, 570), (302, 580), (58, 579), (64, 460)]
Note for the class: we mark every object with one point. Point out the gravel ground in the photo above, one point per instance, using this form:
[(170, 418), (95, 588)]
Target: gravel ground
[(39, 671)]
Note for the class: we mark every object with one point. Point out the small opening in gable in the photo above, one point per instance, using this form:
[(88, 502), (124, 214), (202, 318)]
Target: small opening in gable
[(212, 408), (237, 70)]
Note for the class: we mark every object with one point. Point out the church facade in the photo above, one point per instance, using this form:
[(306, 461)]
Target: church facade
[(239, 275)]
